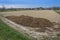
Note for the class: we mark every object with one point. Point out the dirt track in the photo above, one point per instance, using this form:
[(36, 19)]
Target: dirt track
[(48, 14)]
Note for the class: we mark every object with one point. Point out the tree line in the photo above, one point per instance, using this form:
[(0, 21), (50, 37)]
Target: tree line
[(38, 8)]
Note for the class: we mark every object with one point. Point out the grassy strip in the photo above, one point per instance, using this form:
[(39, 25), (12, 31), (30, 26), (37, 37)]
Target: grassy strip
[(57, 11), (7, 33)]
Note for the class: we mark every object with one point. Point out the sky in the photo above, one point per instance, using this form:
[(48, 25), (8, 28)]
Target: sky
[(29, 3)]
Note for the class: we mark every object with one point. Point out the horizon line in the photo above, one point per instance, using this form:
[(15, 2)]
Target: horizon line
[(22, 6)]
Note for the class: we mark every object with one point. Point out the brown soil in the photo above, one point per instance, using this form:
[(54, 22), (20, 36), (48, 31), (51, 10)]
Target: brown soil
[(34, 22), (30, 21)]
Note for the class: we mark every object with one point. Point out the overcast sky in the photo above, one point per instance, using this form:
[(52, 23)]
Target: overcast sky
[(30, 3)]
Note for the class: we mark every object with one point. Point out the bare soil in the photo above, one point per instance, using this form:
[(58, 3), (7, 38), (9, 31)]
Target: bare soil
[(27, 21)]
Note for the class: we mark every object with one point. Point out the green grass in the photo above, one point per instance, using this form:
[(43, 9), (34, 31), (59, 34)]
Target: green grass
[(58, 11), (7, 33), (50, 38)]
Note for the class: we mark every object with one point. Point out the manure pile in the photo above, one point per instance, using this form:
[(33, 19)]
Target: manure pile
[(27, 21), (30, 21)]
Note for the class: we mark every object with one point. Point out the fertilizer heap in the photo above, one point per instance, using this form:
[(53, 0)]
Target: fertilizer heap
[(41, 24)]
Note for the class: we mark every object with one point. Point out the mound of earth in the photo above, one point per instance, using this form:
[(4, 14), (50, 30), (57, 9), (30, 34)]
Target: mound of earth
[(41, 23), (30, 21)]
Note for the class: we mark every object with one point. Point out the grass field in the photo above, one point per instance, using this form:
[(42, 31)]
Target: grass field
[(58, 11), (7, 33)]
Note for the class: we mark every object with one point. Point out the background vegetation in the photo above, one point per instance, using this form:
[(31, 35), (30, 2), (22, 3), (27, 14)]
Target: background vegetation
[(37, 8)]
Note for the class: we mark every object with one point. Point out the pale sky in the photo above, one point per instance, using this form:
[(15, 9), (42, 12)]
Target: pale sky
[(30, 3)]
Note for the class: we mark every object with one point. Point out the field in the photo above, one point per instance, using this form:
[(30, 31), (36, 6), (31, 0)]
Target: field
[(47, 14)]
